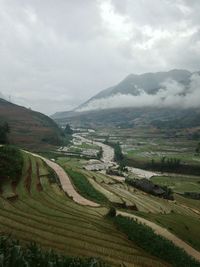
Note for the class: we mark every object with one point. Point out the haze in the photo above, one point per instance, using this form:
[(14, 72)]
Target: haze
[(57, 54)]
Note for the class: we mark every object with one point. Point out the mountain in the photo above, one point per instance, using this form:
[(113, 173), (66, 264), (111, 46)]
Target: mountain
[(162, 99), (147, 82), (29, 129)]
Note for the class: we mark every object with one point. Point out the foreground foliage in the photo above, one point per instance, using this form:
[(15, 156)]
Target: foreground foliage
[(12, 254), (158, 246)]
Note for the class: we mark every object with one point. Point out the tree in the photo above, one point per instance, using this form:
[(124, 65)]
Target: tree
[(4, 130), (118, 152), (68, 130), (112, 212), (197, 150), (11, 162)]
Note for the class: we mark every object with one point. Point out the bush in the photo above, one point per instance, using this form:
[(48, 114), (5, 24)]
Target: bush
[(156, 245), (4, 130), (112, 212), (11, 162), (12, 254)]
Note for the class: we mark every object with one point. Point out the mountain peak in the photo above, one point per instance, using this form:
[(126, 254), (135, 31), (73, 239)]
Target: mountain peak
[(133, 84)]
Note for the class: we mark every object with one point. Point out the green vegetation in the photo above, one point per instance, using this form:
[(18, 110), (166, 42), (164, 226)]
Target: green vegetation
[(185, 226), (158, 246), (112, 212), (44, 214), (179, 183), (172, 165), (11, 162), (4, 130), (13, 254), (68, 130), (84, 186), (197, 150), (118, 152)]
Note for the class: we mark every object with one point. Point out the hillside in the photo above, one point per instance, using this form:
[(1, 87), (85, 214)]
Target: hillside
[(166, 118), (36, 209), (28, 128)]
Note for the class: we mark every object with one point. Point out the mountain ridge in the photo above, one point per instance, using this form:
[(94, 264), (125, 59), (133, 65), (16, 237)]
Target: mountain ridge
[(132, 84), (28, 129)]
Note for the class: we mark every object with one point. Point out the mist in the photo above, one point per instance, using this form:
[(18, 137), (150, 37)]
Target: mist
[(170, 94)]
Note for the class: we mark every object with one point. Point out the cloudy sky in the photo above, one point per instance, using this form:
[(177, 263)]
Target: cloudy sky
[(54, 55)]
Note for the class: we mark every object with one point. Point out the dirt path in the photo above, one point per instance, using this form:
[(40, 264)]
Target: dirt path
[(66, 183), (165, 233)]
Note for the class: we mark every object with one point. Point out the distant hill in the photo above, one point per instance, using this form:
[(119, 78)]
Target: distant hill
[(172, 118), (28, 128)]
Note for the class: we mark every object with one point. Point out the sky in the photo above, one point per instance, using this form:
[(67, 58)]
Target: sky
[(54, 55)]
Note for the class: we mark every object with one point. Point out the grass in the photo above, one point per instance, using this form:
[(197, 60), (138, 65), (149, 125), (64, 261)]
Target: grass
[(185, 227), (84, 187), (88, 146), (54, 221), (179, 183)]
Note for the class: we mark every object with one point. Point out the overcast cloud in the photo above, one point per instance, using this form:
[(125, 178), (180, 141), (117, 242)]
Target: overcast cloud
[(54, 55)]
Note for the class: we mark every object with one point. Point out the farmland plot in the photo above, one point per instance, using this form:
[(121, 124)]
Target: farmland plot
[(45, 214)]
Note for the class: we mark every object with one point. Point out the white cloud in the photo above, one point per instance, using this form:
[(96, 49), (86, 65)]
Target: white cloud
[(171, 94)]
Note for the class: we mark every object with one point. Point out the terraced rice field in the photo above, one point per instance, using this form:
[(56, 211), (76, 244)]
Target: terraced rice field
[(40, 211), (119, 192)]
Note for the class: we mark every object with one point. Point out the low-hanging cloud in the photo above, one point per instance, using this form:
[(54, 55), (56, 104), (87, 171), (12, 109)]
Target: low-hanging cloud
[(170, 94)]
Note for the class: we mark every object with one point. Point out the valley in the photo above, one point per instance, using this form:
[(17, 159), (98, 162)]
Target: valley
[(100, 133), (111, 187)]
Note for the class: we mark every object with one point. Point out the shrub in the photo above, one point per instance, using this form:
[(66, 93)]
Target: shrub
[(156, 245), (11, 162), (12, 254), (111, 212)]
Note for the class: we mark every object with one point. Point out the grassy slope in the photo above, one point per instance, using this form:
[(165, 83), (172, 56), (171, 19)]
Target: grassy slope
[(54, 221), (181, 217), (27, 127), (184, 226), (179, 184)]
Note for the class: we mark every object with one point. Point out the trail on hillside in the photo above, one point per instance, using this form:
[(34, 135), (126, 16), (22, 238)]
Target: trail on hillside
[(67, 184), (165, 233)]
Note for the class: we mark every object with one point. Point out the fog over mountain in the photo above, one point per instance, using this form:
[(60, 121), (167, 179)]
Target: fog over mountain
[(176, 88)]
